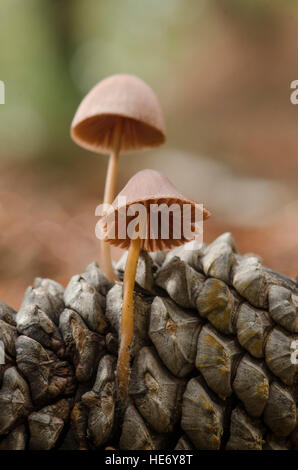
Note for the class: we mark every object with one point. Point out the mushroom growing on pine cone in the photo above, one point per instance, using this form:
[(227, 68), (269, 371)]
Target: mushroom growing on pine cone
[(149, 214)]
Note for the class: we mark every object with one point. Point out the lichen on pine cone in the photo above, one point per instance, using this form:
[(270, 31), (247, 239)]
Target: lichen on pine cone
[(214, 357)]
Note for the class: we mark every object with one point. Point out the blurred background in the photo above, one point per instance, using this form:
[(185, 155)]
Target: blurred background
[(222, 71)]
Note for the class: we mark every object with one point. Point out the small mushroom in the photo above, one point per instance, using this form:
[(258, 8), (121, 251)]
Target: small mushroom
[(120, 114), (146, 193)]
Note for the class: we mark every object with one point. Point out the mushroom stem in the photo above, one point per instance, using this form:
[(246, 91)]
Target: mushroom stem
[(127, 319), (109, 195)]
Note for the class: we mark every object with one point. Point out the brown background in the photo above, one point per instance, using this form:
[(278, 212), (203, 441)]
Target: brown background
[(222, 71)]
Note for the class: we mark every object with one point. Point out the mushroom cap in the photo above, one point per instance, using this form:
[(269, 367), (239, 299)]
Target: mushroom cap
[(119, 96), (147, 187)]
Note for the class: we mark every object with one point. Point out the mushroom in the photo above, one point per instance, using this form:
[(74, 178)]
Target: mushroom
[(144, 193), (120, 114)]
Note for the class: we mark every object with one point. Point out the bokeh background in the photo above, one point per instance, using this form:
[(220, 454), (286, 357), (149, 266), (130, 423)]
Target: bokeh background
[(222, 70)]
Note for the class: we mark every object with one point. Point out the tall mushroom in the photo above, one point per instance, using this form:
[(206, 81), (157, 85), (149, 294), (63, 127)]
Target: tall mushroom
[(152, 192), (120, 114)]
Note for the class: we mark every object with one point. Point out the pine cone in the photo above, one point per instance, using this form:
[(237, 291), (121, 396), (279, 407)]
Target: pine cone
[(214, 357)]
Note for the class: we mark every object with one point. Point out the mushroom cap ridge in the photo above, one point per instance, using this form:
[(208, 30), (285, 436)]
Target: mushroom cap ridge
[(119, 96)]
